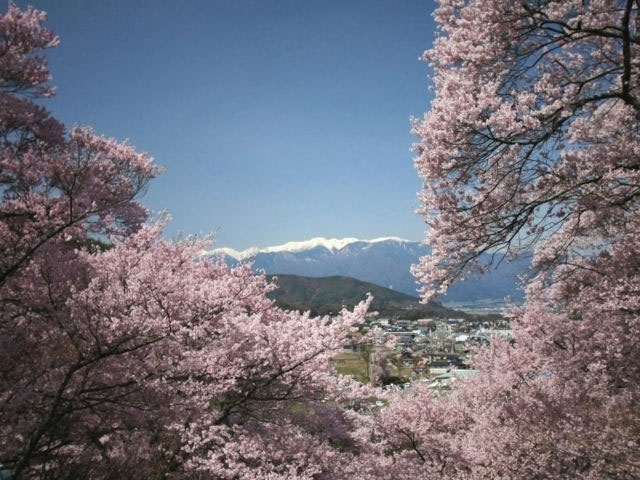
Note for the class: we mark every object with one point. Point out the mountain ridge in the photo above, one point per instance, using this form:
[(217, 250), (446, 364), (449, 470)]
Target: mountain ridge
[(384, 261), (324, 295), (331, 244)]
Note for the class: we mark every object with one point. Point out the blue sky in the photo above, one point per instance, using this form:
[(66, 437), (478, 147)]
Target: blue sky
[(275, 120)]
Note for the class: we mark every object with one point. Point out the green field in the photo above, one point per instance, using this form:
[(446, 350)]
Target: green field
[(356, 365), (352, 363)]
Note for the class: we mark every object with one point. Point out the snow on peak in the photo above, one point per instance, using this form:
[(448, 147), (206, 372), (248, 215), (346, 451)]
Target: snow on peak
[(387, 239), (223, 251), (328, 243), (331, 244)]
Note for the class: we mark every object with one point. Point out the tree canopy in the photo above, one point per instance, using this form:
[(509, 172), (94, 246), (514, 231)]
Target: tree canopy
[(532, 144), (141, 360)]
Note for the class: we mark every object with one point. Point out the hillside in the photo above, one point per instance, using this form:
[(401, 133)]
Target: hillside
[(383, 261), (324, 295)]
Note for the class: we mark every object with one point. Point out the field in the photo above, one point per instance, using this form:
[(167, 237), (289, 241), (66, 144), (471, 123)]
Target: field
[(356, 365)]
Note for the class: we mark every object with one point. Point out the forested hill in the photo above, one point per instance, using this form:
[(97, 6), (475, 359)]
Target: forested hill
[(329, 294), (384, 261)]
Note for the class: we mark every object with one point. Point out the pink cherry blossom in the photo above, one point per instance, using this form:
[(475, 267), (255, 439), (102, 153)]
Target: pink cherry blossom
[(531, 145), (139, 359)]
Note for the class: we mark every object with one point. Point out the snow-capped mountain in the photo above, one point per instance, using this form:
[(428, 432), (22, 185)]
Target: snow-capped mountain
[(383, 261), (331, 244)]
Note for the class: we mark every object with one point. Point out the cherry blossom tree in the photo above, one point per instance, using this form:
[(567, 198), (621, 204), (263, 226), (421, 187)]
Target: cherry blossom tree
[(141, 360), (532, 144)]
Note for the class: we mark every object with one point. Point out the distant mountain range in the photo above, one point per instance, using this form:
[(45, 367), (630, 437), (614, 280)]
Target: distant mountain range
[(382, 261)]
